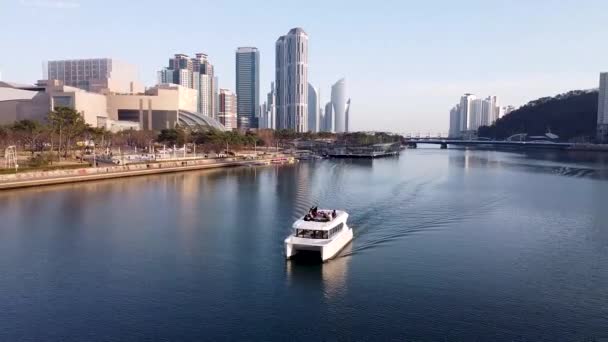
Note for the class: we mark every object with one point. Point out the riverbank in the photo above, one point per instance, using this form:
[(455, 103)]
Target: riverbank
[(41, 178)]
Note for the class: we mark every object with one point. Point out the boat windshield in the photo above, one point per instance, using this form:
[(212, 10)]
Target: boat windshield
[(312, 234)]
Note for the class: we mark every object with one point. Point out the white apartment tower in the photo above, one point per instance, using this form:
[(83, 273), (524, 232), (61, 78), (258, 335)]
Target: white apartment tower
[(475, 114), (268, 112), (455, 122), (291, 79), (490, 111), (466, 107), (340, 106), (313, 108)]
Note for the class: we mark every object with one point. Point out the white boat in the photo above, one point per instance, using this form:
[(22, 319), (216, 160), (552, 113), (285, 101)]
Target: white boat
[(324, 233)]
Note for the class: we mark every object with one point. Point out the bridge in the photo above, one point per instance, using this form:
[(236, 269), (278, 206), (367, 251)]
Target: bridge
[(413, 142)]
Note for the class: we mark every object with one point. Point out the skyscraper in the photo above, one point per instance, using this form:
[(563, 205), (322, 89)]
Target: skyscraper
[(489, 111), (227, 109), (466, 106), (602, 109), (247, 86), (328, 118), (347, 114), (195, 73), (313, 108), (455, 122), (271, 107), (291, 79), (166, 76), (475, 114), (207, 85), (340, 106)]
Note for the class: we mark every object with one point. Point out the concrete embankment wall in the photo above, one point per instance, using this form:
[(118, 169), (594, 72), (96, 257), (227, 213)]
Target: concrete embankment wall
[(29, 179)]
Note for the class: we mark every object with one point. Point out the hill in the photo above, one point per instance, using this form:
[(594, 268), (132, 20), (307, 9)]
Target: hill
[(572, 115)]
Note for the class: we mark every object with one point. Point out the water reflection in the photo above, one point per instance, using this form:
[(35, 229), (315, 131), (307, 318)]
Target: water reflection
[(572, 164), (331, 275)]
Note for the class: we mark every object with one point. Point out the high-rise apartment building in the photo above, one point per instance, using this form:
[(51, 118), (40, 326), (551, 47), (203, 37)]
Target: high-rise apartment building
[(341, 106), (602, 109), (291, 80), (455, 122), (466, 107), (227, 109), (195, 73), (328, 118), (99, 75), (313, 108), (490, 111), (270, 109), (472, 113), (247, 86), (475, 114)]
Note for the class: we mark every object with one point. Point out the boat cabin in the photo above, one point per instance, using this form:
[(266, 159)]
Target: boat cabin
[(325, 224), (319, 234)]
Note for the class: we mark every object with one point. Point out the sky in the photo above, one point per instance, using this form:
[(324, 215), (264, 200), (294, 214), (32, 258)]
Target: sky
[(406, 63)]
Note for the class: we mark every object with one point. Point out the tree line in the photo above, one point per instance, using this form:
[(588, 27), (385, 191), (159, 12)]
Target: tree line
[(65, 136), (572, 116)]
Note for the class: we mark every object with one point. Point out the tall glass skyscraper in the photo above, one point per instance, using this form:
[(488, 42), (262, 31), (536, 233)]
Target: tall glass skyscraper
[(247, 86), (291, 80)]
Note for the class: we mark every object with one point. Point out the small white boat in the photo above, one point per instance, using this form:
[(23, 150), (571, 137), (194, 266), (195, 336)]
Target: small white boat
[(324, 231)]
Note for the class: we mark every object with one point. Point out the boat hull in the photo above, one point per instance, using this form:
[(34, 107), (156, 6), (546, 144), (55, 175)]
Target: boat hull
[(326, 251)]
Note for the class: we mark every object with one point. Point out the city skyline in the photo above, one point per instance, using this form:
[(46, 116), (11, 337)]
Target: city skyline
[(520, 62)]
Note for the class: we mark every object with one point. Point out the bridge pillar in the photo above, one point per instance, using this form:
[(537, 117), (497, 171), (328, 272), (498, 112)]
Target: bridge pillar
[(444, 146)]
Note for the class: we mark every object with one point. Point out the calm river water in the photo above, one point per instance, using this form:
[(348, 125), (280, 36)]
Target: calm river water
[(450, 245)]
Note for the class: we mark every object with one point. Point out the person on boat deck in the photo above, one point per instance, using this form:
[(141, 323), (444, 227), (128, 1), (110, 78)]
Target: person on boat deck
[(333, 214)]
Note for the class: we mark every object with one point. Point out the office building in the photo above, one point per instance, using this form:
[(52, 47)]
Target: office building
[(340, 106), (228, 109), (97, 75), (247, 86), (313, 108), (160, 107), (291, 80)]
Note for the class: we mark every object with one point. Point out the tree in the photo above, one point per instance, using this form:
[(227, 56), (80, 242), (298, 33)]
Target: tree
[(169, 136), (29, 132), (68, 123), (572, 115)]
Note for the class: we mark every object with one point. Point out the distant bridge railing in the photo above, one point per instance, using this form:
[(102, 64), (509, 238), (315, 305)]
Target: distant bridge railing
[(496, 143)]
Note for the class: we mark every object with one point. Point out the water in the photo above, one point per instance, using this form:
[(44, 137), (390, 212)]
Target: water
[(449, 245)]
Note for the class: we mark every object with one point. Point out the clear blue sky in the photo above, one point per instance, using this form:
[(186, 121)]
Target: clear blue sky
[(406, 62)]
